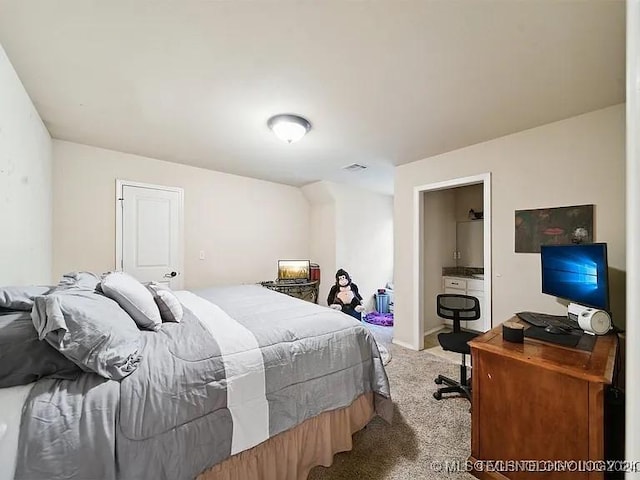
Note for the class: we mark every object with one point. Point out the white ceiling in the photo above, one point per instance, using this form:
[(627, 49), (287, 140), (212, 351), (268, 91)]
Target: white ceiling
[(383, 83)]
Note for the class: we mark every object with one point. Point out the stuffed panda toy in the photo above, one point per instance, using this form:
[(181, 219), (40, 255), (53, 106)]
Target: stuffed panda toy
[(344, 296)]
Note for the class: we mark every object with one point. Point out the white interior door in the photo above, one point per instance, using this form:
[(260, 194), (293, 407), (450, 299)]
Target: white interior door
[(150, 245)]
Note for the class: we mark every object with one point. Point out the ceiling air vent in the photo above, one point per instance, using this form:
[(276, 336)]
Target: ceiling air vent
[(354, 167)]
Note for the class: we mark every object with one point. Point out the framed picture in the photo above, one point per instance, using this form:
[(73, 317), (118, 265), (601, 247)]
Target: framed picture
[(552, 226)]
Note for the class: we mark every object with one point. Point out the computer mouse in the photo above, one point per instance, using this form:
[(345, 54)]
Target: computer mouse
[(554, 329)]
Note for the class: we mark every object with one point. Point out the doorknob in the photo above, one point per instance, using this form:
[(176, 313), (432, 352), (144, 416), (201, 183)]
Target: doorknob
[(170, 275)]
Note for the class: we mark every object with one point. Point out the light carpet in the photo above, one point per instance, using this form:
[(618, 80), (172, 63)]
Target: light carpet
[(424, 434), (452, 357)]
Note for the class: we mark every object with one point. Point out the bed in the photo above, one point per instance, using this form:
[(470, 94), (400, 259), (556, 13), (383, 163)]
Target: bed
[(250, 384)]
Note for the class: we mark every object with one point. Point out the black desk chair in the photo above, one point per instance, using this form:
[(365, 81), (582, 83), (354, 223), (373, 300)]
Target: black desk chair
[(456, 307)]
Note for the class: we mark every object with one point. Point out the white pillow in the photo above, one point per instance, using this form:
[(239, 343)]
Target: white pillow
[(169, 305), (134, 299)]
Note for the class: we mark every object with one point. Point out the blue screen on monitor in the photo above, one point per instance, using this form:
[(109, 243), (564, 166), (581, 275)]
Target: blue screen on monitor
[(577, 273)]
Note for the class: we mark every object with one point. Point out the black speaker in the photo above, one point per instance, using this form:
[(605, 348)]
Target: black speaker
[(614, 428)]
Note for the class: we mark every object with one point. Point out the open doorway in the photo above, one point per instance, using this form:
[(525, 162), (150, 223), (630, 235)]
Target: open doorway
[(453, 246)]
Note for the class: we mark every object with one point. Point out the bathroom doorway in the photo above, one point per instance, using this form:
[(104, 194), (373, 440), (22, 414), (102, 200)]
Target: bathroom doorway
[(452, 230)]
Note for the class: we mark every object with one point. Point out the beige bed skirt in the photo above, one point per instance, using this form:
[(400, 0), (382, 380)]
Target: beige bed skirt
[(292, 454)]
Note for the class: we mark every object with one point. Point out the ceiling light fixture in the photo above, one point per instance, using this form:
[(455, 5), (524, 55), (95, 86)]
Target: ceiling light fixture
[(289, 128)]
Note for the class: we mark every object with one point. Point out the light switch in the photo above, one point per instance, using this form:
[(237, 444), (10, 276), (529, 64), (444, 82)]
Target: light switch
[(201, 254)]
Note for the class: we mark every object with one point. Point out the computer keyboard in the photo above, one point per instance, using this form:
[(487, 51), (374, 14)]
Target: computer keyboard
[(544, 320)]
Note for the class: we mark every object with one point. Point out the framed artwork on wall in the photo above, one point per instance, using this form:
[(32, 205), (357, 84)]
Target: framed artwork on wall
[(552, 226)]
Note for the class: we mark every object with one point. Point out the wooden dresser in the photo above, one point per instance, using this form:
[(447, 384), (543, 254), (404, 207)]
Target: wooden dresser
[(538, 401)]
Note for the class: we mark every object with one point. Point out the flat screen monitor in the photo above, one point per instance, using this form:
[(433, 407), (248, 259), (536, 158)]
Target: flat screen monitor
[(293, 270), (578, 273)]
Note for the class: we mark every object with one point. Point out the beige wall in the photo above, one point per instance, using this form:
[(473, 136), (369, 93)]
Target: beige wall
[(243, 225), (575, 161), (467, 198), (364, 239), (322, 220), (25, 185), (632, 411), (439, 241), (352, 228)]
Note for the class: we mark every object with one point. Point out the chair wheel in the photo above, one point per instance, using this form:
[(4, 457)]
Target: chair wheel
[(437, 395), (438, 381)]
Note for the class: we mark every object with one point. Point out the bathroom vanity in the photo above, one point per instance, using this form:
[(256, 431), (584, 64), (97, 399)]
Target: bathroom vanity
[(467, 284)]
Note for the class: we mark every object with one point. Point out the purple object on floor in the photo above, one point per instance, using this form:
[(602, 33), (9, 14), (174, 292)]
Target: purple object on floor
[(375, 318)]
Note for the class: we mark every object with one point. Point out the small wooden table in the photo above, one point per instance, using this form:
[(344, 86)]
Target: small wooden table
[(304, 290), (538, 401)]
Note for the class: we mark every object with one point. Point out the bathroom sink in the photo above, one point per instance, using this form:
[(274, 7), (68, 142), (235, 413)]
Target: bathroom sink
[(479, 276)]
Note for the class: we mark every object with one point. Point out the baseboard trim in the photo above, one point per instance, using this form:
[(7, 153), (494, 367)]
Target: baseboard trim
[(433, 330), (403, 344)]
